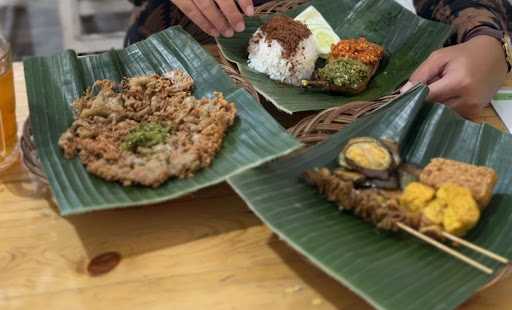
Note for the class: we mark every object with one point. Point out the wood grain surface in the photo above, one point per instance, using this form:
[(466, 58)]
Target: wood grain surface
[(205, 251)]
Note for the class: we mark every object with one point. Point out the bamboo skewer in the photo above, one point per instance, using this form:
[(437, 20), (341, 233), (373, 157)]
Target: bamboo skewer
[(445, 248), (476, 248)]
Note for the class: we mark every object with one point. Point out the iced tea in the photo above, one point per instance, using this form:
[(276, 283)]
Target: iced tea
[(8, 136)]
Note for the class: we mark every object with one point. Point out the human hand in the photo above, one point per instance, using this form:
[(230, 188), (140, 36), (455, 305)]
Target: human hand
[(465, 77), (216, 17)]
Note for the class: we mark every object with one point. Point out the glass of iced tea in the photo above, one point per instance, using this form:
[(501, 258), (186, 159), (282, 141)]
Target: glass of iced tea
[(8, 132)]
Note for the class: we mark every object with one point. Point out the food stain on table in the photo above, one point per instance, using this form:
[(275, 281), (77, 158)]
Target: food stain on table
[(103, 263)]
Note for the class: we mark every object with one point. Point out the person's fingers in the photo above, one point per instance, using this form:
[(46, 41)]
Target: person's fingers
[(464, 108), (407, 86), (428, 72), (247, 6), (435, 79), (193, 13), (430, 68), (454, 82), (452, 102), (209, 9), (443, 89), (232, 14)]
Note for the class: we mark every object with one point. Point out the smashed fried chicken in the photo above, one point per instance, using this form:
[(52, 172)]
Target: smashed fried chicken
[(147, 129)]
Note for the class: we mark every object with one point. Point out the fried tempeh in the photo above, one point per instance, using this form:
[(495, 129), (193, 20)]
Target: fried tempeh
[(478, 179)]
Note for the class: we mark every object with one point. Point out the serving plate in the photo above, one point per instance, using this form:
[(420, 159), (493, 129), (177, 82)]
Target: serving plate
[(54, 82), (390, 271), (407, 38)]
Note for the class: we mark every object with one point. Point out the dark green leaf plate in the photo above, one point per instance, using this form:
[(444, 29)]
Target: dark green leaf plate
[(407, 38), (54, 82), (391, 271)]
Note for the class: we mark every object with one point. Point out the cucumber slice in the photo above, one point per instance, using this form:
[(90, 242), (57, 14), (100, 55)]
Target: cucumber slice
[(322, 31)]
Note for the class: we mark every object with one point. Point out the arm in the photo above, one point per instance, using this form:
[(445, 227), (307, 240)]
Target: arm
[(466, 76), (137, 2), (217, 17), (469, 18)]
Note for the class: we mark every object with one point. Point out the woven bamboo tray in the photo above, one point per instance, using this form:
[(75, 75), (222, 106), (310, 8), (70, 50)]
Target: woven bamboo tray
[(310, 130)]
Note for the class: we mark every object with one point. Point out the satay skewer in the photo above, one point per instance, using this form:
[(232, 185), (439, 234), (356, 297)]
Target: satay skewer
[(476, 248), (445, 248), (372, 206)]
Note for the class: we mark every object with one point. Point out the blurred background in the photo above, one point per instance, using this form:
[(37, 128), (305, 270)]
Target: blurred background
[(45, 27)]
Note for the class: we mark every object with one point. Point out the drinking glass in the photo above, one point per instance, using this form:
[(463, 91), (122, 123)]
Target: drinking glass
[(8, 130)]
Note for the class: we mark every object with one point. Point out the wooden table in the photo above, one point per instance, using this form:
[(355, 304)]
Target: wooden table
[(206, 251)]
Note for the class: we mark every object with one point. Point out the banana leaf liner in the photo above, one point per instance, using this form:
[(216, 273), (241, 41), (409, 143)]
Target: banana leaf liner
[(389, 270), (407, 39), (54, 82)]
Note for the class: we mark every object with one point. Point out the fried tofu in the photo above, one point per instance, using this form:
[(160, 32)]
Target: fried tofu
[(478, 179), (416, 196), (461, 212), (451, 207)]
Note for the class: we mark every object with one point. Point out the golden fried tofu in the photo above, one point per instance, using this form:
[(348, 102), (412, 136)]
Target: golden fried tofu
[(478, 179), (454, 208), (434, 211), (416, 196)]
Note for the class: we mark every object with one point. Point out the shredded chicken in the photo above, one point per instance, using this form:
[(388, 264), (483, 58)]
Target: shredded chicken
[(195, 127)]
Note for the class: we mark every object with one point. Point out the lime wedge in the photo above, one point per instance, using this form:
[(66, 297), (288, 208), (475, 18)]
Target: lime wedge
[(324, 39), (322, 31)]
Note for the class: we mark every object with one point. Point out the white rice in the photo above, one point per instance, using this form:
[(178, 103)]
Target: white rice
[(267, 58)]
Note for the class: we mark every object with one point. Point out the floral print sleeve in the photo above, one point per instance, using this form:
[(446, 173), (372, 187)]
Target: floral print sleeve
[(468, 17)]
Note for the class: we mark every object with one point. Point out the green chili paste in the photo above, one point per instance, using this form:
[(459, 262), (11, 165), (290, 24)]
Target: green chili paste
[(145, 135), (345, 73)]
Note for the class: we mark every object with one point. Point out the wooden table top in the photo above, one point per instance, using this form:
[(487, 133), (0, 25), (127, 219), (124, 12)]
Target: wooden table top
[(205, 251)]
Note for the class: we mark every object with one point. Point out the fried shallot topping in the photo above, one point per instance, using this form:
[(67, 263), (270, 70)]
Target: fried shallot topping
[(358, 49)]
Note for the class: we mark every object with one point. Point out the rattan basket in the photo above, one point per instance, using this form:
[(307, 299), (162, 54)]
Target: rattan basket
[(318, 127)]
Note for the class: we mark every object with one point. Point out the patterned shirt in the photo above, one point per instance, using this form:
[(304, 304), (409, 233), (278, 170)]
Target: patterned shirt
[(468, 17)]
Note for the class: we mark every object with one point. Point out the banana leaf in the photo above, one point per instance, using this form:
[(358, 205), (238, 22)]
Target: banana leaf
[(389, 270), (54, 82), (407, 38)]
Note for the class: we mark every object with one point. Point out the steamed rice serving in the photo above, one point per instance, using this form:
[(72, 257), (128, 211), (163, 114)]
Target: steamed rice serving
[(284, 49)]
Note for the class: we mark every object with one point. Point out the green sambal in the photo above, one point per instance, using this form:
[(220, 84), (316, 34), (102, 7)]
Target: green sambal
[(345, 73), (145, 135)]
